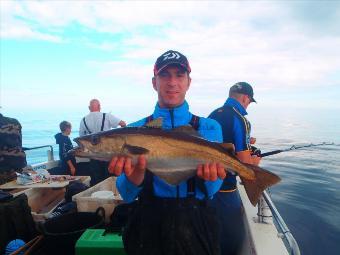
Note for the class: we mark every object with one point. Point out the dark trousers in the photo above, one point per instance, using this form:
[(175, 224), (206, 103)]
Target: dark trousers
[(98, 171), (172, 226), (230, 218)]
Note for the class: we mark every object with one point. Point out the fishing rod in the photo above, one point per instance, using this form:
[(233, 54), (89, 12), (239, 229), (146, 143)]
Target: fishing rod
[(294, 147)]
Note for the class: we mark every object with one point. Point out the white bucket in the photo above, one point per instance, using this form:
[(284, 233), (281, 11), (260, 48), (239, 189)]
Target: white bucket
[(103, 194)]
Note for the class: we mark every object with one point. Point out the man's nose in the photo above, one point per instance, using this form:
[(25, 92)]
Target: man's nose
[(172, 80)]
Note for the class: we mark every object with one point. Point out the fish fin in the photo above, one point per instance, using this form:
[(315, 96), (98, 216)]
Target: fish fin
[(188, 129), (229, 147), (174, 177), (263, 180), (156, 123), (135, 150)]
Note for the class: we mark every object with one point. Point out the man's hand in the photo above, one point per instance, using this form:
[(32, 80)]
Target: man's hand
[(210, 171), (72, 168), (252, 140), (122, 123), (256, 160), (135, 173), (73, 171), (246, 157)]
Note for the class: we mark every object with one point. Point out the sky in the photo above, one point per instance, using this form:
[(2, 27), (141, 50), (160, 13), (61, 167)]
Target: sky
[(57, 55)]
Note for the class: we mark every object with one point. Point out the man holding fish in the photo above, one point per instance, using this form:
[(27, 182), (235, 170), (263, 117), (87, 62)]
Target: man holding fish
[(173, 162), (171, 206)]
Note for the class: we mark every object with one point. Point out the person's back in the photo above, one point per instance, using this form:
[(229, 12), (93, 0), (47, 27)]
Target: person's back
[(67, 162), (94, 122), (236, 130), (12, 156)]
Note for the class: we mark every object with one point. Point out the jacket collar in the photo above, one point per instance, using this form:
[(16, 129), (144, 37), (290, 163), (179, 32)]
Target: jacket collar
[(181, 115), (231, 102)]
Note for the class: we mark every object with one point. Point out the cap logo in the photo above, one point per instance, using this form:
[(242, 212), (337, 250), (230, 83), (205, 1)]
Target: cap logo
[(239, 86), (171, 55)]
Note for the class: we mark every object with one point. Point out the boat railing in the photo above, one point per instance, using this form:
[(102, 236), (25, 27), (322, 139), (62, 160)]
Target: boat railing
[(50, 156), (264, 206)]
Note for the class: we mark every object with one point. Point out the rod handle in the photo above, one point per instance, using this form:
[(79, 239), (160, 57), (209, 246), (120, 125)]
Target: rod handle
[(270, 153)]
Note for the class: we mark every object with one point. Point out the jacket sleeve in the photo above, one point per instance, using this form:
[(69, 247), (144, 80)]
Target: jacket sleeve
[(127, 190), (212, 131), (213, 187), (241, 139)]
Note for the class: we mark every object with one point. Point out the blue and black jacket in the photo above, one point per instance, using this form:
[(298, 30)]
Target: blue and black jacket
[(236, 129), (172, 118), (65, 145)]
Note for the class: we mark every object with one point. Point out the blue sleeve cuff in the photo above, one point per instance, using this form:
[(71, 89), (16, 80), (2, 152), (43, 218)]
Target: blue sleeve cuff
[(127, 189), (213, 186)]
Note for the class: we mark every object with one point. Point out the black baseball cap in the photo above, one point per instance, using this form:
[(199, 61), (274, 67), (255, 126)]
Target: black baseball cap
[(171, 57), (243, 88)]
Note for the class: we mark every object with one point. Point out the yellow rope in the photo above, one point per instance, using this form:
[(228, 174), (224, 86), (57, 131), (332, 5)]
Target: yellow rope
[(225, 191)]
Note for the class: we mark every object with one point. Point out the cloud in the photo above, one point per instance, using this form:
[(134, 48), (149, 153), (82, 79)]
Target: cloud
[(269, 44)]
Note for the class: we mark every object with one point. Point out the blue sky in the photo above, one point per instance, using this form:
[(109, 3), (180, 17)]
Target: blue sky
[(57, 55)]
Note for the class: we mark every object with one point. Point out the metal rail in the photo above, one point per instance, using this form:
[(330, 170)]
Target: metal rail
[(285, 232), (50, 156)]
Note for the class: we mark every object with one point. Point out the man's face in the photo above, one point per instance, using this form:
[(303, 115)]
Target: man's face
[(68, 131), (245, 101), (94, 106), (171, 85)]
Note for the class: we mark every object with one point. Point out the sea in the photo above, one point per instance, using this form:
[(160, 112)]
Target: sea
[(308, 197)]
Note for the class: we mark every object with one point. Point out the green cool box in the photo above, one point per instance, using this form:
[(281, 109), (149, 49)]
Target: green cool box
[(97, 241)]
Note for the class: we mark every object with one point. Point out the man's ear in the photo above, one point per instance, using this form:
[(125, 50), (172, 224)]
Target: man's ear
[(189, 82), (154, 83)]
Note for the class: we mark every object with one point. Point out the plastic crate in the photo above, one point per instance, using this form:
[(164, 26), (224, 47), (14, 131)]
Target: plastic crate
[(86, 203), (97, 241)]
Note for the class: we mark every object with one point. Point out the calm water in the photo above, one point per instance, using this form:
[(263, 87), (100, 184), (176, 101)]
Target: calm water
[(308, 197)]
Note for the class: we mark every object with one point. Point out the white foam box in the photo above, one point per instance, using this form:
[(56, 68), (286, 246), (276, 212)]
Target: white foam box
[(43, 201), (86, 203)]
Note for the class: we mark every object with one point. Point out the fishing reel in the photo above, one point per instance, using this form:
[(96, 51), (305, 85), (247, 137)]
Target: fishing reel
[(255, 151)]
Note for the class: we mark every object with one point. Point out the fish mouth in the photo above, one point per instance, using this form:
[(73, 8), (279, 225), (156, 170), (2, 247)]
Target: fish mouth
[(75, 151)]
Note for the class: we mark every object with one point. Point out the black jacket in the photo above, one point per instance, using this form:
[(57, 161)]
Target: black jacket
[(65, 145)]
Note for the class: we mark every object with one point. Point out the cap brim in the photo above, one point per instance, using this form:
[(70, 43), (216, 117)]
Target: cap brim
[(253, 100), (172, 63)]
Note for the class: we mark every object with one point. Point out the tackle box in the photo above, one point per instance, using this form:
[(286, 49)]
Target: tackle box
[(98, 241)]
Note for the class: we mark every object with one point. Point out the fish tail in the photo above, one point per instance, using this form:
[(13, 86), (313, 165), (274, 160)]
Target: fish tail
[(263, 179)]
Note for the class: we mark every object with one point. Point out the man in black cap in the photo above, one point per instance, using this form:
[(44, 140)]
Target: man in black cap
[(236, 129), (171, 219)]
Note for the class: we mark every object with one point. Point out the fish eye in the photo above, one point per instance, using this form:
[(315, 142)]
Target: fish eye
[(95, 140)]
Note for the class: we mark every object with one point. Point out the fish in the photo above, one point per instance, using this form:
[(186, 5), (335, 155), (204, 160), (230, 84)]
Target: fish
[(172, 155)]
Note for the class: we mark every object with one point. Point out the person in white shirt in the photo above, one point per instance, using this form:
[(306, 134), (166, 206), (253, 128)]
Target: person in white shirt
[(97, 121), (94, 122)]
